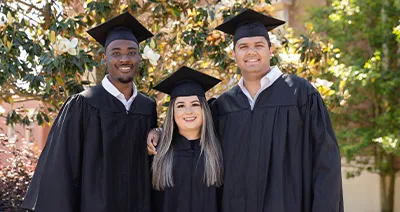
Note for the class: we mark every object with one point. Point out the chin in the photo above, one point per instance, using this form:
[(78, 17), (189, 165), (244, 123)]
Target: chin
[(125, 80), (191, 127)]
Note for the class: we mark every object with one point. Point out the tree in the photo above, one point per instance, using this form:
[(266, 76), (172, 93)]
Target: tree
[(46, 55), (49, 63), (365, 32)]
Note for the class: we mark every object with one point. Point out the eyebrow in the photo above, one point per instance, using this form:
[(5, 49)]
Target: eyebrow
[(257, 42), (184, 102), (129, 48)]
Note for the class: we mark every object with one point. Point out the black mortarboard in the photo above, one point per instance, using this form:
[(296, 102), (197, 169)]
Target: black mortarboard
[(122, 27), (187, 82), (249, 23)]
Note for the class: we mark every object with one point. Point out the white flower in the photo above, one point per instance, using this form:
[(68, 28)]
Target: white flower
[(290, 58), (2, 110), (150, 55), (64, 45), (275, 41), (227, 3), (229, 48), (324, 83)]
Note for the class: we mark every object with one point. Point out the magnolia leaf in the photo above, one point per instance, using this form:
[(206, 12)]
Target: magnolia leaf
[(9, 45), (52, 36)]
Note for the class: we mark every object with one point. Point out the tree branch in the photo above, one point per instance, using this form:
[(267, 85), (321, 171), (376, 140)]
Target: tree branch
[(30, 5), (25, 15)]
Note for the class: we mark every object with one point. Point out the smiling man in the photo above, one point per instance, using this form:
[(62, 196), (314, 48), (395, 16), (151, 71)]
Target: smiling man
[(279, 149), (95, 157)]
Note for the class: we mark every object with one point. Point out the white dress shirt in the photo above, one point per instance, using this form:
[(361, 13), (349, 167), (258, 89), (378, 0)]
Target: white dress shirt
[(265, 82), (110, 88)]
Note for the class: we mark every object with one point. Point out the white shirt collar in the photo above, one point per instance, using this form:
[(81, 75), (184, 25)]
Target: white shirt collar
[(110, 88), (265, 82)]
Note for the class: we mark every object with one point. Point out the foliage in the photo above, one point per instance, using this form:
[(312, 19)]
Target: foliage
[(48, 67), (15, 173), (367, 33), (369, 68), (46, 55)]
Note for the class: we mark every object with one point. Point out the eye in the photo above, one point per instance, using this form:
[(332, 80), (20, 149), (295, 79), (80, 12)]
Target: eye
[(115, 54), (259, 45), (132, 53), (196, 104), (242, 47), (180, 106)]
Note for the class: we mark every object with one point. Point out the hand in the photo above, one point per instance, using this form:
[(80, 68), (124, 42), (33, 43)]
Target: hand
[(152, 141)]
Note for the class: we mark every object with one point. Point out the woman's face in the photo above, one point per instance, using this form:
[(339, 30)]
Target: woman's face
[(188, 114)]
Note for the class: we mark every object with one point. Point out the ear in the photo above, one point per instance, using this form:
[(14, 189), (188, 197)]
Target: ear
[(104, 58)]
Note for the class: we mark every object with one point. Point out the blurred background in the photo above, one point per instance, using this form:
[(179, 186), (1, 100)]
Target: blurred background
[(348, 49)]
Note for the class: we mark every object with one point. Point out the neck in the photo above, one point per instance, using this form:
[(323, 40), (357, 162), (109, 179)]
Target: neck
[(190, 134), (125, 88), (252, 82)]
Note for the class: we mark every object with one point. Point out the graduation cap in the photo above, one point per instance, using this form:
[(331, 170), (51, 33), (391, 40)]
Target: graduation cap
[(121, 27), (187, 82), (249, 23)]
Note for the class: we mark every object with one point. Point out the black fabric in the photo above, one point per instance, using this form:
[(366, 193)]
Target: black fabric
[(250, 29), (189, 194), (111, 30), (282, 156), (120, 33), (187, 88), (186, 82), (95, 157), (2, 207)]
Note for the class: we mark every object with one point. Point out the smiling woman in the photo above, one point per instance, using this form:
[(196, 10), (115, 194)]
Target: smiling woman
[(188, 116), (188, 166)]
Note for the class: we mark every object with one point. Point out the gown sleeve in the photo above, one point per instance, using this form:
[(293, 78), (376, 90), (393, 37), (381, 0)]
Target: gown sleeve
[(154, 117), (326, 174), (214, 112), (56, 182)]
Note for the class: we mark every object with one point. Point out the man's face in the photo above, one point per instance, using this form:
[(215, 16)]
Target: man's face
[(122, 59), (252, 55)]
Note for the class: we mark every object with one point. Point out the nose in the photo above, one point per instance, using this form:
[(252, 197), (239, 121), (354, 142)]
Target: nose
[(188, 110), (124, 58), (251, 51)]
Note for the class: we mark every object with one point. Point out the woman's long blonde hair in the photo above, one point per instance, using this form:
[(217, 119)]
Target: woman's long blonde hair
[(162, 167)]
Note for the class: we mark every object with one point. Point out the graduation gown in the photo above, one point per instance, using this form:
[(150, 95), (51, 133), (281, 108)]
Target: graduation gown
[(95, 158), (189, 193), (282, 156)]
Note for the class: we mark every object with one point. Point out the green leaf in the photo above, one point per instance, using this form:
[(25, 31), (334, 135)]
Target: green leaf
[(176, 12), (39, 119)]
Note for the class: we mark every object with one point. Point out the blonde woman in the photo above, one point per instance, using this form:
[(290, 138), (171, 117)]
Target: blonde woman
[(188, 166)]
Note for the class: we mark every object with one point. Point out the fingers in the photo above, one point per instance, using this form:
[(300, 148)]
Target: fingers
[(151, 151), (152, 141)]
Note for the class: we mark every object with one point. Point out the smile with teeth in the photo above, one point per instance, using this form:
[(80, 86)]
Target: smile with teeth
[(252, 60), (189, 118), (124, 68)]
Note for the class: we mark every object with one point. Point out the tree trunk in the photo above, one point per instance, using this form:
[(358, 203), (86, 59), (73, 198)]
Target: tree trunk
[(387, 184)]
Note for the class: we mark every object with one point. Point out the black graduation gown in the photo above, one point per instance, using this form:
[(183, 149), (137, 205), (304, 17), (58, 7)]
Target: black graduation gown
[(189, 194), (282, 156), (95, 158)]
